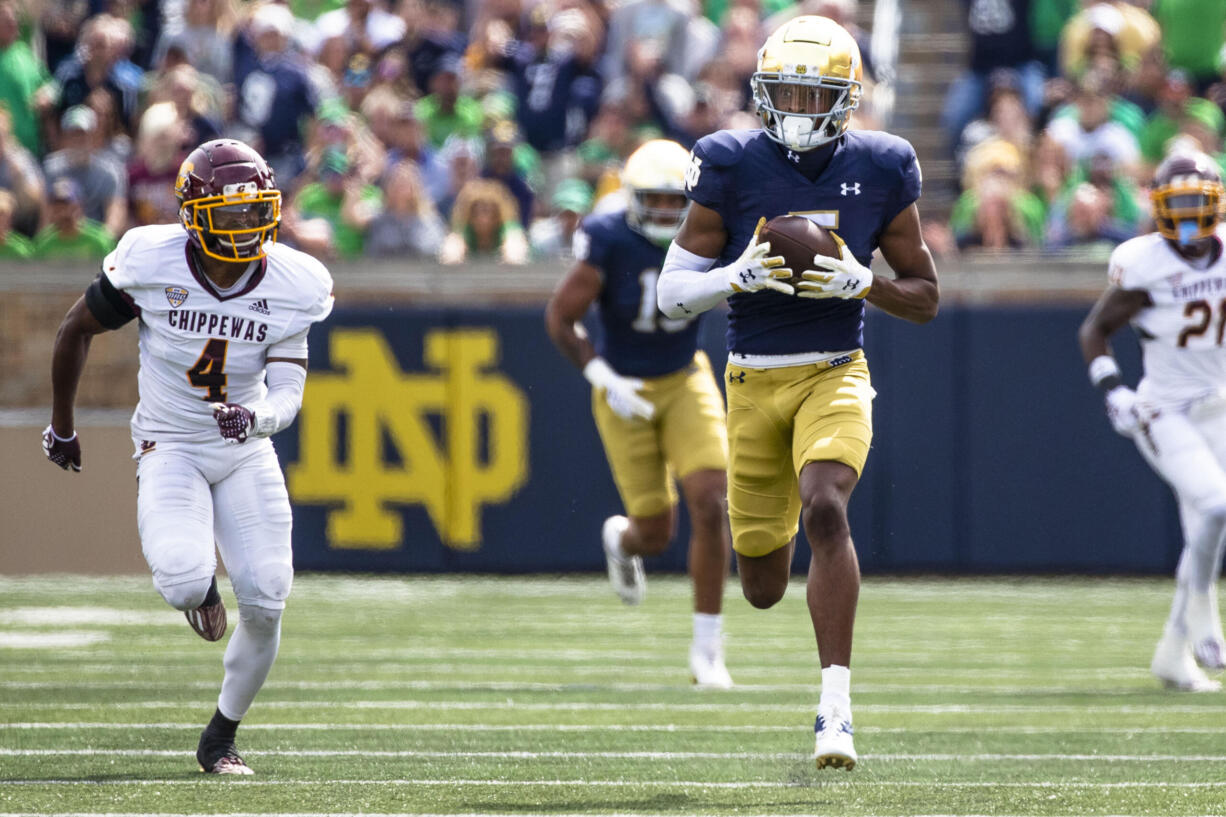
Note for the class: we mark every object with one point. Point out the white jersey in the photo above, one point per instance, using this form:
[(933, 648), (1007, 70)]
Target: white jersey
[(198, 346), (1182, 330)]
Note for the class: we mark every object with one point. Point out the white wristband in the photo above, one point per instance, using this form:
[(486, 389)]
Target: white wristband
[(58, 438), (1101, 368)]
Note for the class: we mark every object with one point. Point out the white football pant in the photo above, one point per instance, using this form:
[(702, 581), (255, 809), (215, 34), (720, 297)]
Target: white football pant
[(191, 495), (1189, 452)]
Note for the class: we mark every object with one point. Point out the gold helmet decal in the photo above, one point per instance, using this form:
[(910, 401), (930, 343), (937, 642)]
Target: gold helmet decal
[(808, 82)]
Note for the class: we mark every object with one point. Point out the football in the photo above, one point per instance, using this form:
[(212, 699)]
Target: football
[(798, 239)]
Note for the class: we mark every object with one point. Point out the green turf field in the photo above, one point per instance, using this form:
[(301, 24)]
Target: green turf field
[(541, 695)]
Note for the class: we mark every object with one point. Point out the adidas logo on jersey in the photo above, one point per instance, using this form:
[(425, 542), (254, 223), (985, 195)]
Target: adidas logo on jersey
[(260, 306)]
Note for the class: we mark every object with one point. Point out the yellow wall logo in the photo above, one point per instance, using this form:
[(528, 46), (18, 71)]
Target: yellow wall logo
[(379, 407)]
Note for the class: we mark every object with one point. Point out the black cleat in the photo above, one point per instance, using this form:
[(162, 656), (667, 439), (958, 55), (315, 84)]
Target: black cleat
[(209, 619), (218, 756)]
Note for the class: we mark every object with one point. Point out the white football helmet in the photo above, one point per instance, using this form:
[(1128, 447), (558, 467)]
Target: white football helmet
[(657, 167), (808, 82)]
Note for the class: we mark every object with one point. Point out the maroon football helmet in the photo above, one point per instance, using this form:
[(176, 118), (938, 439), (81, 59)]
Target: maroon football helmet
[(228, 200), (1187, 196)]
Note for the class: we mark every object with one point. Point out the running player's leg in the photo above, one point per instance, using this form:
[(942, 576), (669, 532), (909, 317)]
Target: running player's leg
[(174, 512), (832, 437), (252, 525), (1179, 453), (695, 442), (637, 464), (763, 504)]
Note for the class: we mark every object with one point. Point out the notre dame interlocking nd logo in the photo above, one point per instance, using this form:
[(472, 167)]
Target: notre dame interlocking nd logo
[(372, 436)]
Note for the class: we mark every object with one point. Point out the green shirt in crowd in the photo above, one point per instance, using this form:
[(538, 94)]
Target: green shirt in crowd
[(23, 74), (1024, 204), (465, 120), (315, 201), (1192, 34), (1160, 127), (16, 245), (91, 243), (1119, 110), (1047, 19)]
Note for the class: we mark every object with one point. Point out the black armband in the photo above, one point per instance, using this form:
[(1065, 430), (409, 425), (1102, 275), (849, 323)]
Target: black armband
[(111, 307), (1109, 383)]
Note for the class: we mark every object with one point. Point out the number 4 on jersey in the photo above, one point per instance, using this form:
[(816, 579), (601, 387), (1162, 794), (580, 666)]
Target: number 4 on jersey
[(209, 371)]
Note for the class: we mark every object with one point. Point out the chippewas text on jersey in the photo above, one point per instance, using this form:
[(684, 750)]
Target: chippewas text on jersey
[(223, 326)]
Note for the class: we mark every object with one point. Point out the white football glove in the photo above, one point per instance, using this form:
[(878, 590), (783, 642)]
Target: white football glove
[(1122, 410), (843, 277), (621, 393), (757, 269)]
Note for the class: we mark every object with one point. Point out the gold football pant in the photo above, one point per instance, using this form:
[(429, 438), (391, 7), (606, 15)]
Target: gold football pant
[(685, 435), (778, 421)]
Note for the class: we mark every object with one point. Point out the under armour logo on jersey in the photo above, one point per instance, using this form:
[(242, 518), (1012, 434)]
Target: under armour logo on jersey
[(854, 188), (260, 306), (794, 156), (176, 296), (739, 377)]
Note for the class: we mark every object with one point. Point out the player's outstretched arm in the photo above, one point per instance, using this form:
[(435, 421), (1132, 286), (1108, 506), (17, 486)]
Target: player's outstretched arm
[(1114, 308), (566, 308), (67, 362), (913, 294), (688, 284)]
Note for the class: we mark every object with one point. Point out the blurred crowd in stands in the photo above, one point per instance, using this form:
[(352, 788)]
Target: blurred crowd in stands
[(1064, 111), (451, 129), (396, 128)]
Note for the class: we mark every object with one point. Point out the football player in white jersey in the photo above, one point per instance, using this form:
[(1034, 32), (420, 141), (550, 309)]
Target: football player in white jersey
[(224, 313), (1171, 285)]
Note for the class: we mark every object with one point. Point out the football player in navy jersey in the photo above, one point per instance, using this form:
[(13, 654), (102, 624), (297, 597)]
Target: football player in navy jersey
[(655, 400), (799, 393)]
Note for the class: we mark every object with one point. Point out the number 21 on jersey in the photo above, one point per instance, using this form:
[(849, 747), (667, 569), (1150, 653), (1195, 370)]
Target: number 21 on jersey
[(210, 371)]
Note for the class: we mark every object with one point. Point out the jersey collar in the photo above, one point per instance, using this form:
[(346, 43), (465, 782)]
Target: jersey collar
[(194, 265)]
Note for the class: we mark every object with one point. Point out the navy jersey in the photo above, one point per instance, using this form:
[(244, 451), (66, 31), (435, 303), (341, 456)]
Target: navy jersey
[(636, 338), (743, 176)]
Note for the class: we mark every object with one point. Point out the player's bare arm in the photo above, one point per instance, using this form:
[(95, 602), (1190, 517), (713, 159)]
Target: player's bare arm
[(913, 294), (569, 303), (1113, 310), (67, 362), (688, 285), (566, 308), (702, 232)]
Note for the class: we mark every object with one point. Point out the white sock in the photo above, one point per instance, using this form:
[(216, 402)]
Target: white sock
[(836, 686), (249, 657), (707, 628)]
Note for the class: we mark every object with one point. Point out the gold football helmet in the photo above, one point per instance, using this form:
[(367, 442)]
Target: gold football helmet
[(808, 82), (654, 171), (1187, 196)]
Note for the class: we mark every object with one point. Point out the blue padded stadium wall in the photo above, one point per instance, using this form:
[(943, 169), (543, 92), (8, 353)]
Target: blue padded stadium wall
[(991, 452)]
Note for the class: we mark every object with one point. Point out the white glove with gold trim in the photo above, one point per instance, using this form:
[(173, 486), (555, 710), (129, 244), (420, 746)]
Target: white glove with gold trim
[(843, 277)]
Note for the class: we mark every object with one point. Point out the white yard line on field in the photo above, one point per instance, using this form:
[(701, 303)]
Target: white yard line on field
[(843, 781), (988, 757), (624, 727)]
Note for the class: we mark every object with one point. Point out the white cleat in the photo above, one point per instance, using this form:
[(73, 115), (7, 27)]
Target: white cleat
[(1210, 653), (625, 572), (833, 730), (1175, 667), (707, 666)]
